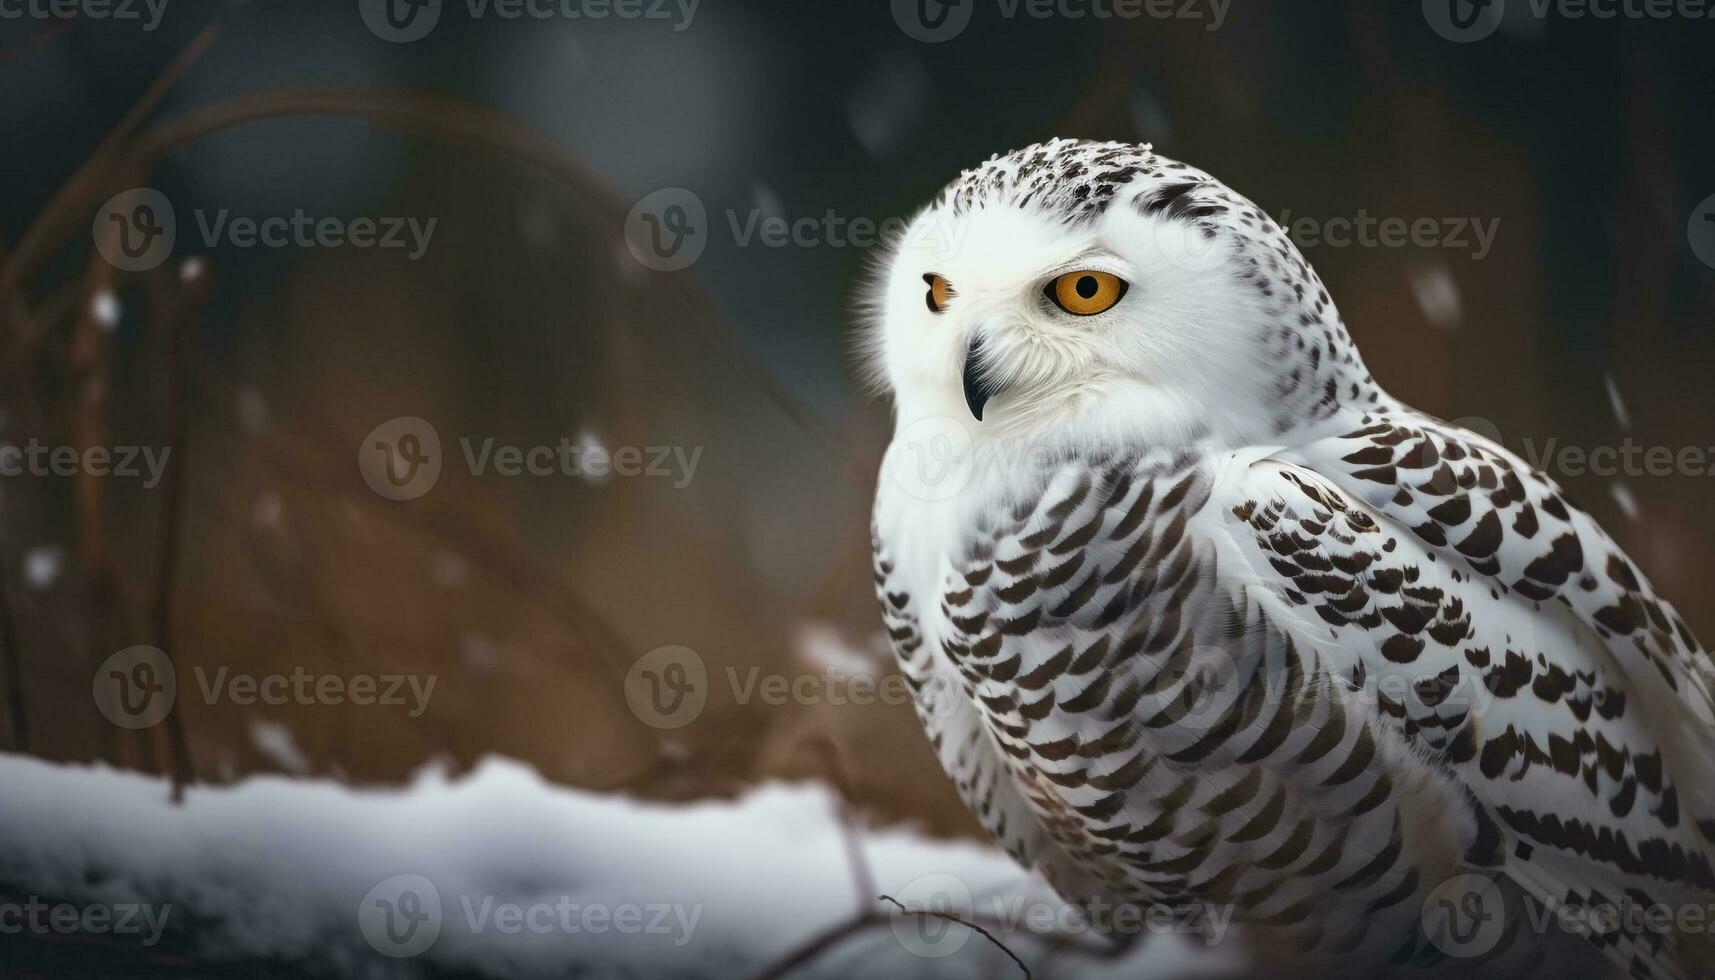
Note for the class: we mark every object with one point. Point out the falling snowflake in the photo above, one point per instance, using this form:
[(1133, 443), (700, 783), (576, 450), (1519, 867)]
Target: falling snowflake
[(104, 306), (1437, 295), (274, 740), (823, 645), (1627, 500), (449, 569), (268, 510), (887, 103), (43, 565), (478, 653), (767, 202), (1621, 415), (252, 409), (590, 445), (1150, 117), (536, 225)]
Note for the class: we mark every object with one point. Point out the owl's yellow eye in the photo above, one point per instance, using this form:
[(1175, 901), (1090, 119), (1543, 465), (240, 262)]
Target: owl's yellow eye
[(940, 292), (1086, 292)]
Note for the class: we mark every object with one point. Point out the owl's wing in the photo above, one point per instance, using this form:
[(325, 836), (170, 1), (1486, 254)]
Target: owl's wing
[(958, 728), (1116, 695), (1229, 678), (1591, 737)]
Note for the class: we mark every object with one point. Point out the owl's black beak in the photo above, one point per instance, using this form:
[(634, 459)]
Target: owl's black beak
[(978, 386)]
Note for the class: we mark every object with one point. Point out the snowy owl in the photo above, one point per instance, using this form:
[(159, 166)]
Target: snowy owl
[(1198, 614)]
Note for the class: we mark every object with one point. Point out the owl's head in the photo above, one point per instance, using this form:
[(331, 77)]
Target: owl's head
[(1101, 290)]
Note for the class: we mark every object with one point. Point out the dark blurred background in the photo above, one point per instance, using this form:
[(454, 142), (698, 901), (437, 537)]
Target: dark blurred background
[(1584, 143)]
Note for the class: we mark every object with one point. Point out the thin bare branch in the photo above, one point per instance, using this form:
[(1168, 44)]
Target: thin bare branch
[(950, 917), (68, 208), (862, 877), (14, 666)]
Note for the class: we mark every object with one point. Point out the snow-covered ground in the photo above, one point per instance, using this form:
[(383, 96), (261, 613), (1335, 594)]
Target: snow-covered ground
[(501, 873)]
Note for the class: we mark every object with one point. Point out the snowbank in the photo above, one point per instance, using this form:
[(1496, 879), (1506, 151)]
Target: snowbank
[(502, 874)]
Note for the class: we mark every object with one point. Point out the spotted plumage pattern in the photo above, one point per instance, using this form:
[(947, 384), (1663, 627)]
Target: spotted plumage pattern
[(1310, 671)]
